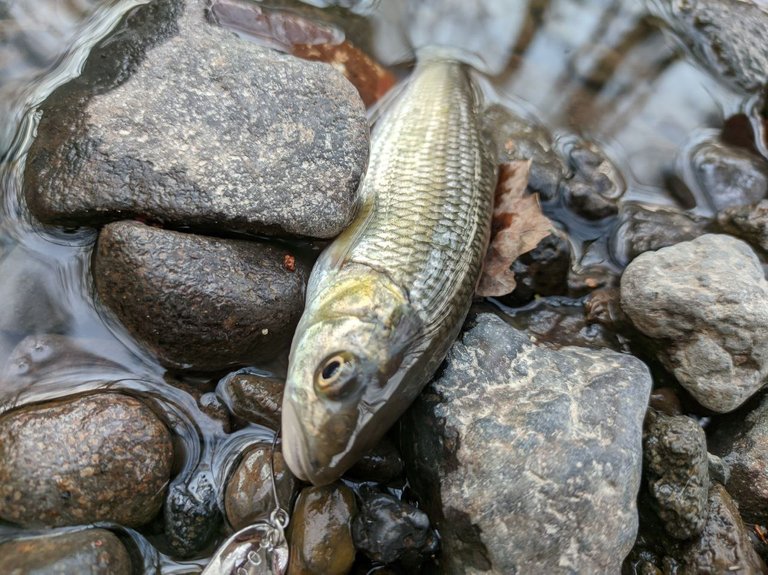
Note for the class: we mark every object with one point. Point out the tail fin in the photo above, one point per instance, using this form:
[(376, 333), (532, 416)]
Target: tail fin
[(481, 33)]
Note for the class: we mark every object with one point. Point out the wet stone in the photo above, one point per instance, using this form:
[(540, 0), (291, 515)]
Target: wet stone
[(675, 454), (724, 545), (705, 303), (596, 186), (198, 302), (319, 534), (750, 223), (543, 271), (92, 551), (191, 513), (381, 464), (388, 530), (104, 457), (181, 122), (248, 496), (254, 397), (549, 437)]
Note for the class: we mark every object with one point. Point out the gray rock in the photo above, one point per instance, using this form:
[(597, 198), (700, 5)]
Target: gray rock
[(728, 176), (728, 37), (529, 459), (705, 302), (750, 223), (199, 302), (191, 512), (91, 551), (742, 443), (181, 122), (102, 457), (596, 186), (724, 545), (719, 470), (675, 454)]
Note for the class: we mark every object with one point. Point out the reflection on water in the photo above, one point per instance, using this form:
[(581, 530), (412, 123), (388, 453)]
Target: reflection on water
[(602, 70)]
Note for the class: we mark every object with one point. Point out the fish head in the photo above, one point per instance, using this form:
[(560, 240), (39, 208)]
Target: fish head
[(346, 350)]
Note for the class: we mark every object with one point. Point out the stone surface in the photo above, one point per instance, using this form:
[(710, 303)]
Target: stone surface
[(750, 223), (199, 302), (191, 512), (675, 455), (103, 457), (596, 185), (742, 443), (319, 534), (91, 551), (541, 272), (381, 464), (254, 397), (705, 302), (388, 530), (528, 459), (724, 545), (728, 37), (182, 122), (248, 496)]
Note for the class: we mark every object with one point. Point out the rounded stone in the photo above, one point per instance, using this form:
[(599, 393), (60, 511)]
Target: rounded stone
[(102, 457)]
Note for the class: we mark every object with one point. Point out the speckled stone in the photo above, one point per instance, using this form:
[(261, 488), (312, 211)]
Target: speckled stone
[(199, 302), (103, 457), (90, 551), (254, 397), (181, 122)]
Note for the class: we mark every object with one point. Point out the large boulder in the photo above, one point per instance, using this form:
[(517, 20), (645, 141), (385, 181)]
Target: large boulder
[(528, 459)]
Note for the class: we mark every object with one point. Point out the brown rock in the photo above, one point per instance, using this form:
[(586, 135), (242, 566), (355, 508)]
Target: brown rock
[(320, 535), (254, 397), (381, 464), (92, 551), (103, 457)]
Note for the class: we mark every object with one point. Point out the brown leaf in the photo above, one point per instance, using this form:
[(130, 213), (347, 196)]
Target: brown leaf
[(518, 227)]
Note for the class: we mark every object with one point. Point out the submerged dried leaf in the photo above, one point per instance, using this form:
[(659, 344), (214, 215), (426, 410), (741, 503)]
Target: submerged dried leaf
[(518, 227)]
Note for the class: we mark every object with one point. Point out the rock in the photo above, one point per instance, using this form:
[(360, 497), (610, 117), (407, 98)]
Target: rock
[(726, 36), (102, 457), (719, 470), (388, 530), (705, 302), (199, 302), (728, 176), (596, 186), (178, 121), (603, 306), (750, 223), (30, 294), (724, 545), (254, 397), (92, 551), (643, 228), (742, 443), (319, 533), (248, 496), (381, 464), (666, 400), (675, 454), (542, 271), (528, 459), (191, 512)]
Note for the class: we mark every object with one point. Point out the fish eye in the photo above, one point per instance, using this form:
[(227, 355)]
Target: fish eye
[(336, 376)]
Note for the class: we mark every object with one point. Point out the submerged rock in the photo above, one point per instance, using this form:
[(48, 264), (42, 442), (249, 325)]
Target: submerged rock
[(103, 457), (181, 122), (254, 397), (248, 496), (675, 453), (191, 512), (705, 302), (529, 459), (199, 302), (388, 530), (319, 534), (596, 185), (92, 551), (543, 271), (750, 223)]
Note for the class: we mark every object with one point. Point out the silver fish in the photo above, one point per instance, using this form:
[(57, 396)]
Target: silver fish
[(388, 297)]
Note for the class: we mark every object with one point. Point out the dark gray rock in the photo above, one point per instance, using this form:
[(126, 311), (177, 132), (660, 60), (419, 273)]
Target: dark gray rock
[(543, 271), (750, 223), (727, 37), (675, 454), (248, 496), (596, 185), (728, 176), (102, 457), (181, 122), (724, 545), (529, 459), (191, 512), (381, 464), (705, 302), (199, 302), (254, 397), (91, 551), (388, 530)]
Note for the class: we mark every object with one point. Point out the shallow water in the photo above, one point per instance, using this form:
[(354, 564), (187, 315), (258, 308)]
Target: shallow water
[(598, 69)]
